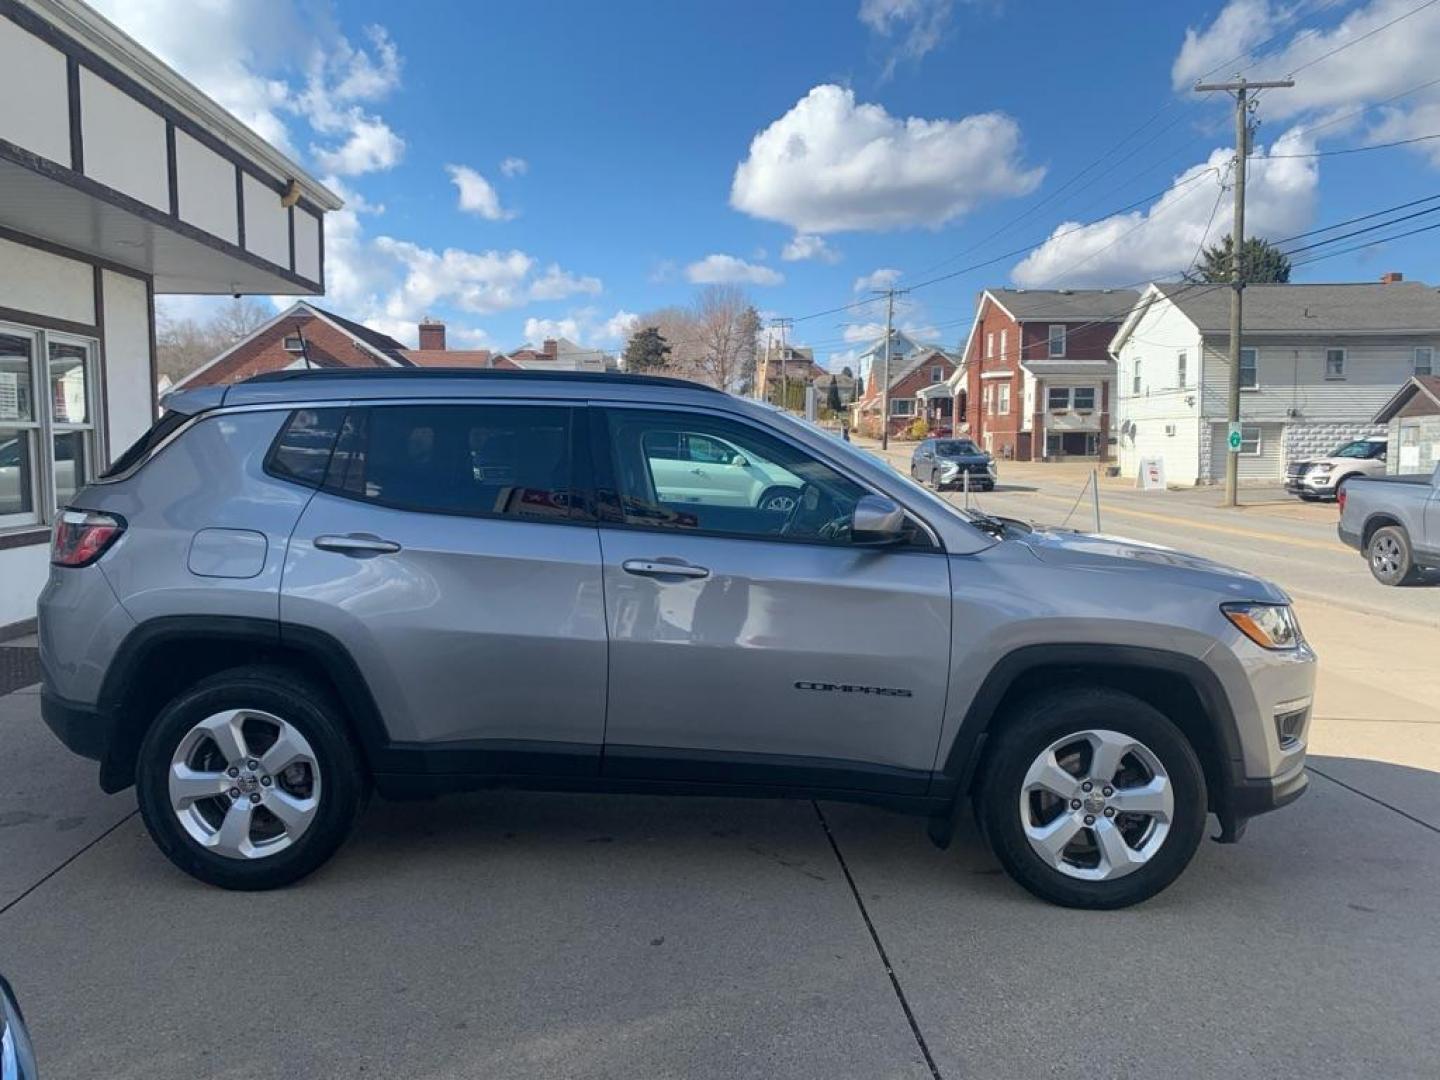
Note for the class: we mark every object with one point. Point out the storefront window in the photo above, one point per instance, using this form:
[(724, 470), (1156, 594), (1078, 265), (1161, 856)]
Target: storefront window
[(47, 440)]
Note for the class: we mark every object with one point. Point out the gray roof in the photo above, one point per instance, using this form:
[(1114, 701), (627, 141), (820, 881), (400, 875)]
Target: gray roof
[(1313, 309), (1067, 305)]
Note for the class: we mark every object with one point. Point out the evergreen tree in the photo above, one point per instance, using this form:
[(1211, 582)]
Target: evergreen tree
[(646, 351), (1261, 263)]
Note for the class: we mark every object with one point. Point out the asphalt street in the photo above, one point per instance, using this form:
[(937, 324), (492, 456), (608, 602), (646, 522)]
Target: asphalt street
[(523, 935)]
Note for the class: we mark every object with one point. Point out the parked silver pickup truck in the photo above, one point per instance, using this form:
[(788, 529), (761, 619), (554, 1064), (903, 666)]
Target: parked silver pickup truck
[(1395, 522)]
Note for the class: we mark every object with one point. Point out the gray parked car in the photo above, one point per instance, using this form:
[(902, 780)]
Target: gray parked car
[(312, 584), (1394, 521), (943, 463)]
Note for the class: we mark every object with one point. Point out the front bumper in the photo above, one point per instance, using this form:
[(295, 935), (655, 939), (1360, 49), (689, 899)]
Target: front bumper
[(1245, 799), (1310, 485)]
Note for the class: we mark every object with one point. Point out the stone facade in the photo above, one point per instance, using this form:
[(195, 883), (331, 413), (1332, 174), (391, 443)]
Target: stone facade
[(1306, 441)]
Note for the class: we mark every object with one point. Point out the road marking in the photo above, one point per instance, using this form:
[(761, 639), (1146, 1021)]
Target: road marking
[(1169, 519)]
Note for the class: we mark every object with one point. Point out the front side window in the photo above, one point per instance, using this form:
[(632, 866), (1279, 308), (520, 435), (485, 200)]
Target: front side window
[(48, 437), (1334, 363), (1057, 341), (1058, 398), (1424, 360), (475, 460), (771, 490), (1084, 398), (1249, 373)]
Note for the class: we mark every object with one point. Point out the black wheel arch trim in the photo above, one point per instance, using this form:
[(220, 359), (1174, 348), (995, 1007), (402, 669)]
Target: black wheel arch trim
[(966, 751)]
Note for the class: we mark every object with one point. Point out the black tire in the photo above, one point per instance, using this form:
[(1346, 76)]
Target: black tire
[(285, 694), (1026, 734), (775, 492), (1391, 558)]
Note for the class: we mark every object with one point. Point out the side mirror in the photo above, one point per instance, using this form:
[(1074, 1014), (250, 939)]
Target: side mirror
[(877, 520), (17, 1057)]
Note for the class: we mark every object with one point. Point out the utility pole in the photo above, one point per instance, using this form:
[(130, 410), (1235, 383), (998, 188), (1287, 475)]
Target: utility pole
[(783, 325), (1243, 103), (889, 295)]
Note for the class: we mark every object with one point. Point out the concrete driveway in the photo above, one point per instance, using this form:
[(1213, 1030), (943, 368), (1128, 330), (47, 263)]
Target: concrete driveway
[(527, 935)]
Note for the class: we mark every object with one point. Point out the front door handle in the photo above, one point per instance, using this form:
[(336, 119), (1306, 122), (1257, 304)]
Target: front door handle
[(357, 544), (654, 568)]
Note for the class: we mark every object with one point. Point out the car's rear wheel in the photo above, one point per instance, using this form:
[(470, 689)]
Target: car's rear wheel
[(1092, 798), (1391, 559), (249, 780)]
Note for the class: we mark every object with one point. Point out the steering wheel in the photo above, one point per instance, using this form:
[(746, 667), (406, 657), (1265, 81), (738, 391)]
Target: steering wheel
[(802, 516)]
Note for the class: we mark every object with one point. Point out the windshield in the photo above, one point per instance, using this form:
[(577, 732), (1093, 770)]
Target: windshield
[(956, 448), (1361, 448)]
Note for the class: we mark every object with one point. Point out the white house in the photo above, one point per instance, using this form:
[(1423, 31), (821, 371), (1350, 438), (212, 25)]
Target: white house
[(119, 180), (1318, 362)]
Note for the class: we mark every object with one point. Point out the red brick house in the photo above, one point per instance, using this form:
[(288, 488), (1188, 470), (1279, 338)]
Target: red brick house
[(918, 384), (301, 336), (1036, 380)]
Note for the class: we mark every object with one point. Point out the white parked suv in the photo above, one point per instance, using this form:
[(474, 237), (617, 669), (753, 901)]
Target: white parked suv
[(1323, 478)]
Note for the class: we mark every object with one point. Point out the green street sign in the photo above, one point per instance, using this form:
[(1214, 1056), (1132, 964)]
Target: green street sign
[(1234, 439)]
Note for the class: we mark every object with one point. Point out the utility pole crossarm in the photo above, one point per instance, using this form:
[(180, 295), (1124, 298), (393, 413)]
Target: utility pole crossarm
[(1246, 84)]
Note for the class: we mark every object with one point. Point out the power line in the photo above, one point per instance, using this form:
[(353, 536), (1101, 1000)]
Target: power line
[(1352, 221), (1363, 37), (1367, 244), (1361, 232), (1357, 149), (1366, 108)]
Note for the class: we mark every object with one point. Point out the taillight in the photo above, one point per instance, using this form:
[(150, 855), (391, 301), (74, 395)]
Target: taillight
[(82, 536), (1340, 498)]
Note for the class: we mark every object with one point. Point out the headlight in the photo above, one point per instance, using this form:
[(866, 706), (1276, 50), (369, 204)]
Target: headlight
[(1271, 626), (949, 467), (1321, 468)]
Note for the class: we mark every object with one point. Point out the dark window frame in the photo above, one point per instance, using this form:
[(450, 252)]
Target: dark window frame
[(581, 510), (606, 494)]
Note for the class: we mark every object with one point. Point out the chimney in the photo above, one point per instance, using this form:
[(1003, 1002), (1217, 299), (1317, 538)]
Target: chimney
[(432, 335), (550, 349), (1391, 278)]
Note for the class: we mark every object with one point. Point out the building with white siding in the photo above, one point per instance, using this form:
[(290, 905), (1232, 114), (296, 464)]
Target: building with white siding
[(1318, 362), (119, 180)]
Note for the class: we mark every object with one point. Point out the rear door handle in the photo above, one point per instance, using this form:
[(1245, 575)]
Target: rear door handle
[(653, 568), (357, 544)]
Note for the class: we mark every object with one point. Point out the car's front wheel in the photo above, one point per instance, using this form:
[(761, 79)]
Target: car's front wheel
[(249, 779), (1092, 798), (1392, 561)]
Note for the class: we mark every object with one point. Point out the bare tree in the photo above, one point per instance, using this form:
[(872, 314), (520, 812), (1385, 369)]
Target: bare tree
[(182, 345), (726, 326)]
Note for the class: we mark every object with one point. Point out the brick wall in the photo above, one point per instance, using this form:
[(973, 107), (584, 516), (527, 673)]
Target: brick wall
[(326, 347)]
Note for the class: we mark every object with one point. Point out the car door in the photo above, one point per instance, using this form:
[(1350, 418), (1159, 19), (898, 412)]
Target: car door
[(446, 554), (756, 646)]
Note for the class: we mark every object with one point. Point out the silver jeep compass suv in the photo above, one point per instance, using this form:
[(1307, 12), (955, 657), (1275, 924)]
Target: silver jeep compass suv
[(310, 584)]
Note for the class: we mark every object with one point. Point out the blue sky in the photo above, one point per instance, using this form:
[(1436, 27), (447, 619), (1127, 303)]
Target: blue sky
[(526, 169)]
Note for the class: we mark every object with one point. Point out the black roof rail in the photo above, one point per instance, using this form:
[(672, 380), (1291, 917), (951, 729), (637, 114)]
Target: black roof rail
[(480, 374)]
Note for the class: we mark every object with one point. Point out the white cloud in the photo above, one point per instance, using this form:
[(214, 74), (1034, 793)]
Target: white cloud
[(808, 246), (476, 194), (867, 333), (537, 330), (1162, 241), (619, 326), (271, 64), (883, 278), (559, 284), (514, 166), (916, 26), (1366, 72), (730, 270), (830, 164)]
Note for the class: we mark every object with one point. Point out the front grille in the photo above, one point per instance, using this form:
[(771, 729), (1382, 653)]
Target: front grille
[(1290, 726), (1296, 469)]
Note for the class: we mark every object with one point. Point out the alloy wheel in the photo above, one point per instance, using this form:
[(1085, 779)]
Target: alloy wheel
[(1096, 805), (244, 784), (1386, 555)]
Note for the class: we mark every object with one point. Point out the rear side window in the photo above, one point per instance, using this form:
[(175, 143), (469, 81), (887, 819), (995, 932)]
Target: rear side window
[(140, 449), (477, 460), (301, 451)]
